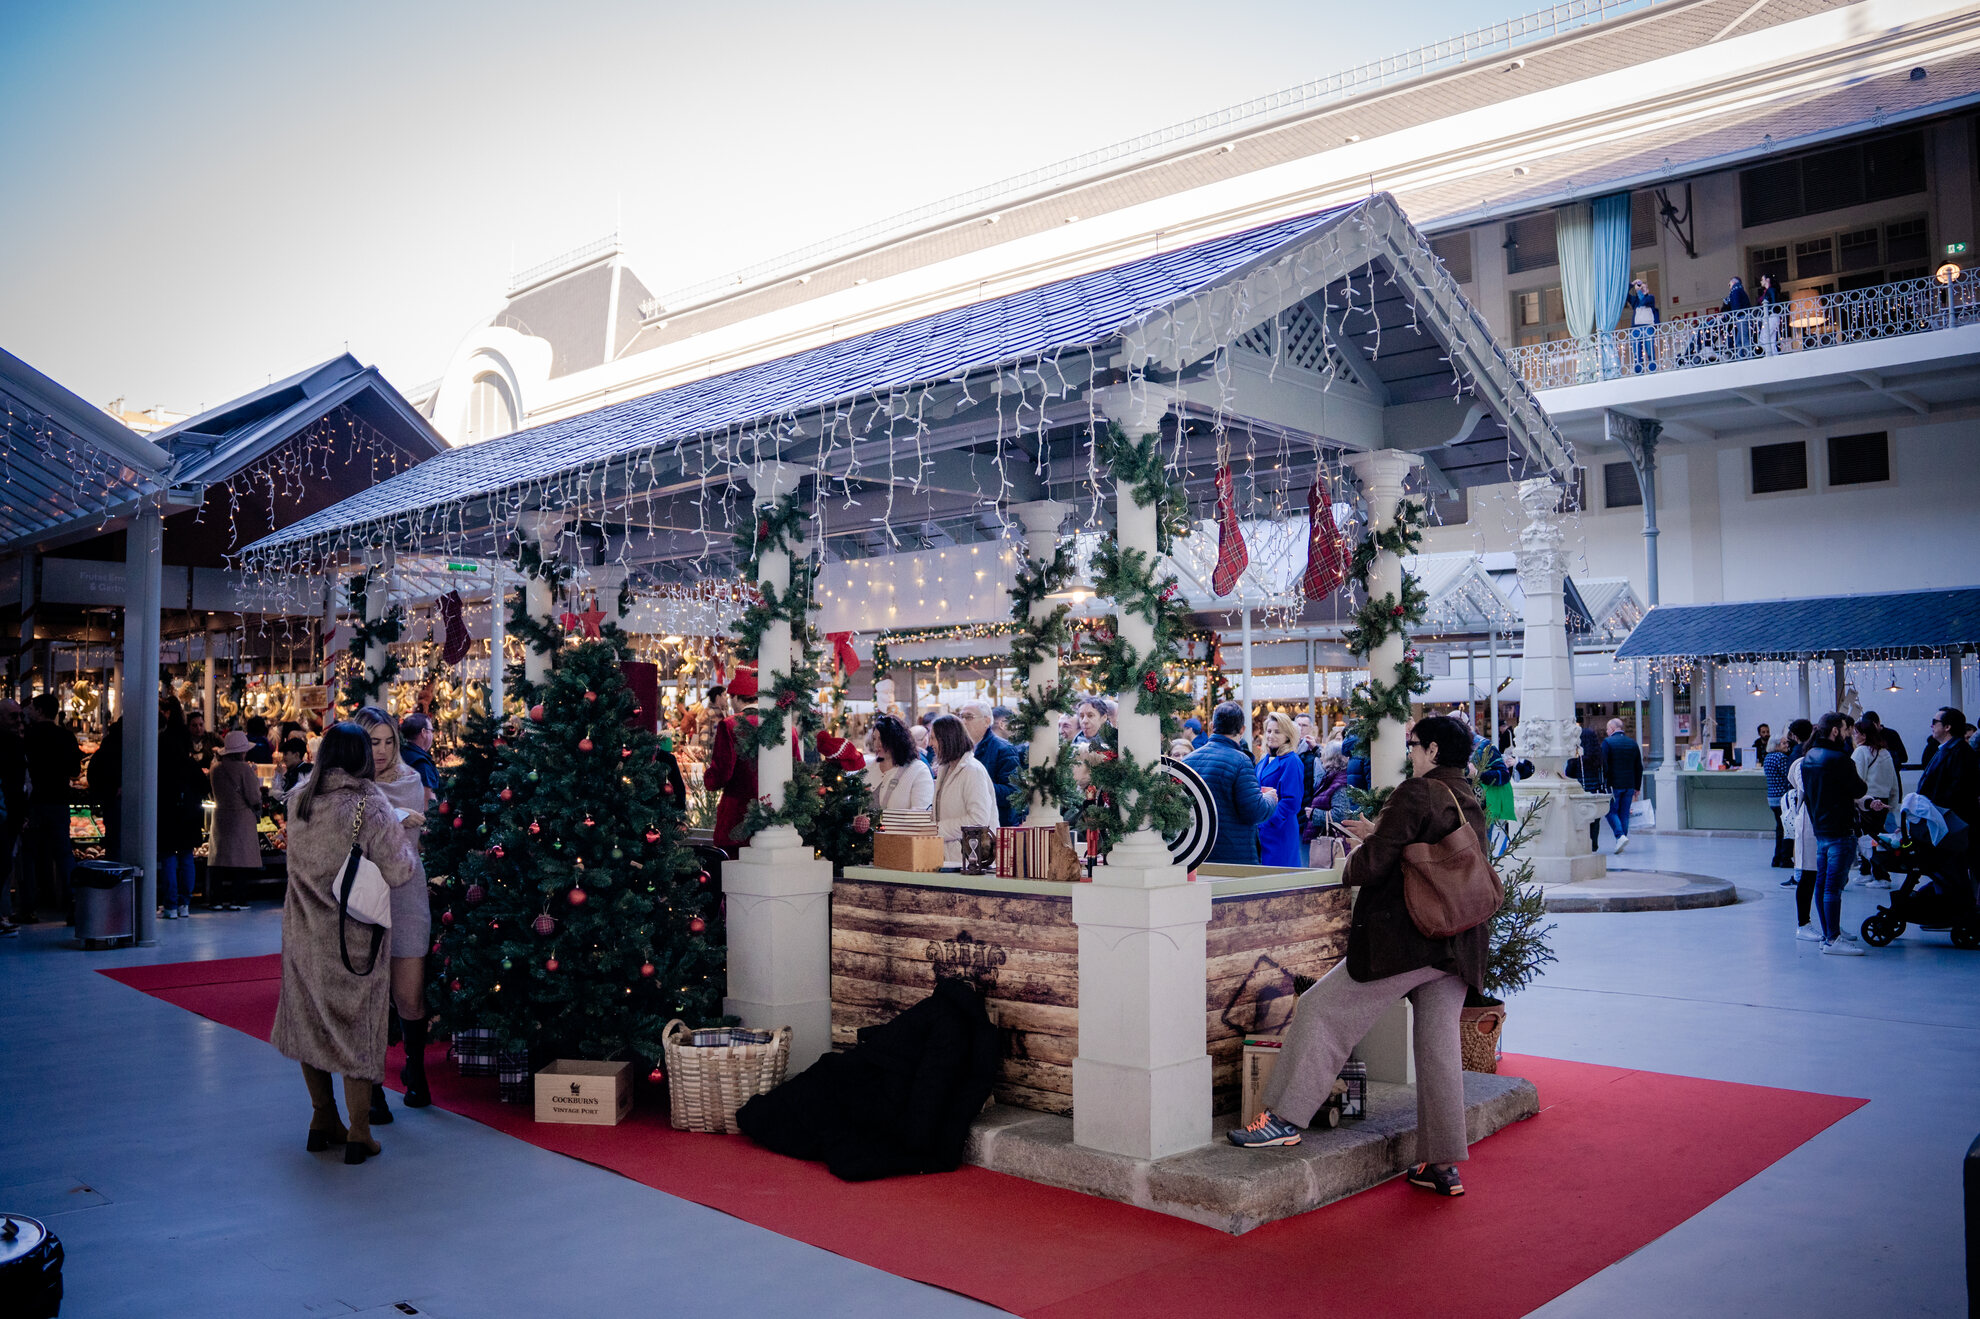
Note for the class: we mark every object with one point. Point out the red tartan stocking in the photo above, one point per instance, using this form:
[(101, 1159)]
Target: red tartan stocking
[(1231, 553), (1326, 547)]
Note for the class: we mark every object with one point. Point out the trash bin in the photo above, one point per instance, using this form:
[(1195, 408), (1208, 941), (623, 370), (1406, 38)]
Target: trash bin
[(106, 903), (30, 1268)]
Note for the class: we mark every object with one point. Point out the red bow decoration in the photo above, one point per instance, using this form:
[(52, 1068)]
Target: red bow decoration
[(455, 648), (1326, 547), (844, 658), (1232, 556), (567, 621)]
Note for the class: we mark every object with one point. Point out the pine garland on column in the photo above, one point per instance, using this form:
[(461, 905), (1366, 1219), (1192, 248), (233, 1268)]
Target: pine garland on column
[(361, 686), (1052, 785), (1375, 620)]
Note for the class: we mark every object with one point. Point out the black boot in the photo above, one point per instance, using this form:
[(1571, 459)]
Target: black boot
[(413, 1074), (381, 1116), (393, 1034)]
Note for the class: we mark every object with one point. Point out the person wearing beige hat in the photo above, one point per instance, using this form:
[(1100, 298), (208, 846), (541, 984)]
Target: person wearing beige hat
[(233, 856)]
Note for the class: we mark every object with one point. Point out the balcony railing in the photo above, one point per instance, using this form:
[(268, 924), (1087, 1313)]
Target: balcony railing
[(1805, 324)]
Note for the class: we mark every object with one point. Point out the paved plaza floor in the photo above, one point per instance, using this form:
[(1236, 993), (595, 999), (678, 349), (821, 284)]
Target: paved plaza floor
[(166, 1149)]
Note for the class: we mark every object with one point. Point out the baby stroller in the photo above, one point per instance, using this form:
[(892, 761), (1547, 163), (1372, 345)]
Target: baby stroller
[(1945, 900)]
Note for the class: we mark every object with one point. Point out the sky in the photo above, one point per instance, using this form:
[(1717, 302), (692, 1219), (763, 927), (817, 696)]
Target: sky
[(206, 196)]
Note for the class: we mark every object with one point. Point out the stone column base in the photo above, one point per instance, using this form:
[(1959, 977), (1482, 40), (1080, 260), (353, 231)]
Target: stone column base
[(780, 942), (1141, 1112)]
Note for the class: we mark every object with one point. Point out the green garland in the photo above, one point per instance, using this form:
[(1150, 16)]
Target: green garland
[(884, 642), (1048, 786), (791, 695), (1132, 795), (364, 687), (540, 634), (1377, 619)]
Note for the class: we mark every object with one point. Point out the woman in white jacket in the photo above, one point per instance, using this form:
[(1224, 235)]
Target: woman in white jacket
[(1874, 762), (898, 779), (963, 796)]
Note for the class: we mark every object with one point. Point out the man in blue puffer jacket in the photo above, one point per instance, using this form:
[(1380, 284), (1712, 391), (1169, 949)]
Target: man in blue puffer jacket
[(1233, 783)]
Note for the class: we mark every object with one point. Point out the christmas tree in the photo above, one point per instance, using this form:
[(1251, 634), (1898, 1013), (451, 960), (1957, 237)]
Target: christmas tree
[(842, 798), (578, 923)]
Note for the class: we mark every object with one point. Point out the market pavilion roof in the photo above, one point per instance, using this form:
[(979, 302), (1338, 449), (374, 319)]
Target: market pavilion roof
[(69, 467), (1302, 339), (1897, 625)]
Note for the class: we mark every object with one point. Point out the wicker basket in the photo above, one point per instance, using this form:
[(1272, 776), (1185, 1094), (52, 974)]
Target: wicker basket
[(1479, 1030), (706, 1085)]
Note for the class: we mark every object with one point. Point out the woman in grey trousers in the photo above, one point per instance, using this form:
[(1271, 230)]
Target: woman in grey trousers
[(1388, 958)]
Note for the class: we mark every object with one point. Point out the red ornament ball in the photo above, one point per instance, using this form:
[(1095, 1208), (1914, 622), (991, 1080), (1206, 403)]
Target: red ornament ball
[(625, 753), (454, 985), (576, 897), (584, 744), (545, 925), (589, 697), (444, 808), (549, 964), (656, 1076), (666, 789), (652, 835), (588, 822), (447, 917), (697, 925), (460, 822), (494, 925), (497, 852), (534, 828), (647, 969), (704, 876), (1396, 612), (506, 795), (536, 714), (475, 893)]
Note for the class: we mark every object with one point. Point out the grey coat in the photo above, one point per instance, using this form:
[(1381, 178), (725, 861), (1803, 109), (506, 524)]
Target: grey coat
[(236, 809), (328, 1017)]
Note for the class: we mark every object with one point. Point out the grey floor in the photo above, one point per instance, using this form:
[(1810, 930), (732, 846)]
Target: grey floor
[(164, 1149)]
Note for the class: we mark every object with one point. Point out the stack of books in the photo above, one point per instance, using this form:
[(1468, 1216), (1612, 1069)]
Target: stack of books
[(908, 822)]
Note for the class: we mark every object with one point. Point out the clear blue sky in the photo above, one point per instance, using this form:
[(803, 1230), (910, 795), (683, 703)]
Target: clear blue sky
[(202, 196)]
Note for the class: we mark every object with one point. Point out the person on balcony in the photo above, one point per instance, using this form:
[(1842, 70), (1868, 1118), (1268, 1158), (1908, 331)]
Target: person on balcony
[(1737, 300), (1641, 305), (1770, 316)]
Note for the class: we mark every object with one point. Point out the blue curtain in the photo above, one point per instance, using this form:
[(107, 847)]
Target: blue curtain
[(1593, 239)]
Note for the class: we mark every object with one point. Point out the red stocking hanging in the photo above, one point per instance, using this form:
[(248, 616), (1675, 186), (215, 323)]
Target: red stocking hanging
[(1326, 547), (1231, 553), (454, 648)]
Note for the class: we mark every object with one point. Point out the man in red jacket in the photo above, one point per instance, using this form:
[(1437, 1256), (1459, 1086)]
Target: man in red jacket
[(731, 772)]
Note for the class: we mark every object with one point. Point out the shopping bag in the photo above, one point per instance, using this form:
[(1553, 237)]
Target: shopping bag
[(1643, 814)]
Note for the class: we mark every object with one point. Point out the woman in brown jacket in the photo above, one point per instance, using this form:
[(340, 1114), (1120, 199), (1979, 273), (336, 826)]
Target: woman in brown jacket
[(331, 1018), (234, 854), (1388, 958)]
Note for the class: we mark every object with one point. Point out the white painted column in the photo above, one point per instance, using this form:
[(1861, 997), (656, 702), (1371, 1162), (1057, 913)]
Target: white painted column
[(377, 595), (1807, 698), (778, 891), (539, 596), (1842, 683), (1492, 679), (1141, 1082), (1382, 472), (498, 635), (144, 541), (1549, 734), (1956, 684), (1041, 520), (206, 677), (1250, 737), (1666, 779)]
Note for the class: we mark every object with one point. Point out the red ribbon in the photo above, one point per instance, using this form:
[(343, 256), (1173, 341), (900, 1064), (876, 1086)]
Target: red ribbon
[(844, 658)]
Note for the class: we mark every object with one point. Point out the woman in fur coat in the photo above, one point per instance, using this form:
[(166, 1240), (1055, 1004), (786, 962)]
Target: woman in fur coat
[(412, 912), (330, 1019)]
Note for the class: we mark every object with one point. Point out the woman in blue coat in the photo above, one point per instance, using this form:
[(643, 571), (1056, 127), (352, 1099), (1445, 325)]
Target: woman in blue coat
[(1281, 769)]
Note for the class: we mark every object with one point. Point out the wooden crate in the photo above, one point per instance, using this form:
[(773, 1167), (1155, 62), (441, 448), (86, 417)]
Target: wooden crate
[(891, 941)]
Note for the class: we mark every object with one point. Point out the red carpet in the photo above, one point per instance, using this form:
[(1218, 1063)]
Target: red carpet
[(1615, 1159)]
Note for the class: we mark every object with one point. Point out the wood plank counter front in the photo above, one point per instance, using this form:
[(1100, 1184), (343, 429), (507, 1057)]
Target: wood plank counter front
[(895, 932)]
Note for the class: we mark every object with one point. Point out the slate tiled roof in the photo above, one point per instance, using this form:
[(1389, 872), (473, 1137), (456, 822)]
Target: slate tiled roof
[(1075, 312), (1861, 626)]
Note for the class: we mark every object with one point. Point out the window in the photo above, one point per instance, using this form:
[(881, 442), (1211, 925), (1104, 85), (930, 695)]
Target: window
[(1908, 240), (1530, 243), (1539, 315), (1829, 180), (1768, 261), (1619, 488), (1859, 459), (1454, 250), (1452, 510), (489, 410), (1779, 467), (1856, 258), (1814, 258), (1643, 219)]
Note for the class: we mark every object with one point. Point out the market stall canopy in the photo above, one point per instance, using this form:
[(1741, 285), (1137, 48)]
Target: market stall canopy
[(1303, 338), (1897, 625), (70, 468)]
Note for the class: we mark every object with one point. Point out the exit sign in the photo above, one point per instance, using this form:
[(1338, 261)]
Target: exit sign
[(1955, 249), (463, 567)]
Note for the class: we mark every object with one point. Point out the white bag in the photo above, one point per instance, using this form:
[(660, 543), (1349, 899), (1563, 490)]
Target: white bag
[(363, 898), (1643, 814)]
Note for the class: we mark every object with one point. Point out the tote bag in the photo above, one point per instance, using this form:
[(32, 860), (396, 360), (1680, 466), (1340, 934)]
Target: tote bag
[(1449, 886), (363, 898)]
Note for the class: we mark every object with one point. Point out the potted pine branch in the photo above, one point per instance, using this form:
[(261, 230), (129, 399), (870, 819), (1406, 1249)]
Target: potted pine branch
[(1518, 951)]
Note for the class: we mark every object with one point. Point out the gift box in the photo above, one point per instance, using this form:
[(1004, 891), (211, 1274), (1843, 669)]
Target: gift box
[(921, 852)]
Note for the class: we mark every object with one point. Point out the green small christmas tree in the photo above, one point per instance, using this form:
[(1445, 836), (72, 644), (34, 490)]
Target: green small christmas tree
[(842, 796), (578, 923)]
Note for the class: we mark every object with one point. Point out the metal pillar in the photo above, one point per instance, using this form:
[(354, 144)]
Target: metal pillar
[(1807, 706), (1246, 634), (1312, 699), (1842, 682), (1492, 677), (1956, 684), (1638, 438), (1041, 520), (498, 636), (144, 543)]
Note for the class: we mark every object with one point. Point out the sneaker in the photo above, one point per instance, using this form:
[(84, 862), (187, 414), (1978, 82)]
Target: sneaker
[(1847, 937), (1789, 883), (1808, 934), (1842, 949), (8, 929), (185, 910), (1442, 1181), (1621, 843), (1877, 883), (1268, 1129)]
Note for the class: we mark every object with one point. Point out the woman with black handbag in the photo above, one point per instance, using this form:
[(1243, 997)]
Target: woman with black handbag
[(1422, 862), (335, 972)]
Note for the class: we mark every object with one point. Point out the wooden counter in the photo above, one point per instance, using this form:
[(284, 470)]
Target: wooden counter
[(895, 932)]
